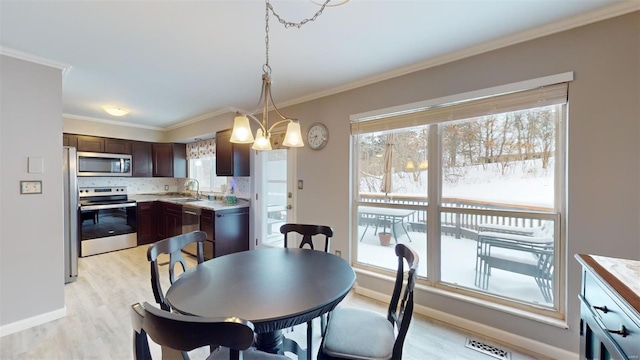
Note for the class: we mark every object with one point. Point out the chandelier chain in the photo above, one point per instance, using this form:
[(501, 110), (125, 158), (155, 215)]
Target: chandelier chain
[(287, 24)]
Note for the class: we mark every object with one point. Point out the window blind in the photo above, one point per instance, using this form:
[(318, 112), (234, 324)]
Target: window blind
[(543, 96)]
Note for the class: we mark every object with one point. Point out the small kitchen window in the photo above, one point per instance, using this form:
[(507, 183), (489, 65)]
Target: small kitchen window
[(202, 165)]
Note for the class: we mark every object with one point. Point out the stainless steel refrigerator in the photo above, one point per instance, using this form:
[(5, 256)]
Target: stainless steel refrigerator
[(70, 184)]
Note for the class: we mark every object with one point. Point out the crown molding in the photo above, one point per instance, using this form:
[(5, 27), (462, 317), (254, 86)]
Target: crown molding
[(111, 122), (199, 118), (65, 68), (608, 12)]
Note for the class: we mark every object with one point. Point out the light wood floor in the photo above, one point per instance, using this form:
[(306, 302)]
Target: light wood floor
[(97, 324)]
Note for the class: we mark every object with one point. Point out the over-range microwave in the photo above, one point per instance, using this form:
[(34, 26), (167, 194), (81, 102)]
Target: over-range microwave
[(100, 164)]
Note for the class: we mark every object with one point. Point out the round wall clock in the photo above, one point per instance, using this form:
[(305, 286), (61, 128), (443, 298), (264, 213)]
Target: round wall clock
[(317, 136)]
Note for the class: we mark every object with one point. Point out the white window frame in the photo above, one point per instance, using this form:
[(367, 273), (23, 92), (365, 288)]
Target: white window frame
[(555, 316)]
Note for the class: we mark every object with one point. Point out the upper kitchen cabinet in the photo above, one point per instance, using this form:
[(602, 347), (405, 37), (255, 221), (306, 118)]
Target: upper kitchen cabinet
[(70, 140), (98, 144), (90, 143), (169, 160), (141, 159), (231, 159), (117, 146)]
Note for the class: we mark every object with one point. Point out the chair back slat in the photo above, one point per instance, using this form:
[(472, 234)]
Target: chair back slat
[(308, 232), (173, 247)]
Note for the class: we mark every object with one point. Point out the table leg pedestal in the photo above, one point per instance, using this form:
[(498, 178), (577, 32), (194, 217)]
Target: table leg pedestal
[(276, 343)]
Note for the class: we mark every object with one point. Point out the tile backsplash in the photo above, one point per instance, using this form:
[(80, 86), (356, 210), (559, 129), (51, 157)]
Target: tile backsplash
[(242, 185), (134, 185)]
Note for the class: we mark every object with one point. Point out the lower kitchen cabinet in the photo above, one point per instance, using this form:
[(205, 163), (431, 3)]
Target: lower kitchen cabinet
[(147, 230), (227, 231), (169, 220)]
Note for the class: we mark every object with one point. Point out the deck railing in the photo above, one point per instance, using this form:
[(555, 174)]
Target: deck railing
[(459, 224)]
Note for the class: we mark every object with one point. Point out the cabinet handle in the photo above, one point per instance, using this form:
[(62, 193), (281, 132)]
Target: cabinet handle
[(623, 331), (234, 214), (604, 309)]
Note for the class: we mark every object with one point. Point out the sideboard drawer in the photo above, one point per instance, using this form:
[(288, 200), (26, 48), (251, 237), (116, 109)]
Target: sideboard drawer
[(612, 316)]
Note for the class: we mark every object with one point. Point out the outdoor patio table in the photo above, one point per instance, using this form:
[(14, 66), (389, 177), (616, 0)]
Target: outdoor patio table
[(395, 217), (274, 288)]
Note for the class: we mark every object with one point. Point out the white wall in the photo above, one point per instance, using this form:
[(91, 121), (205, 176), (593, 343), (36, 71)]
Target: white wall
[(31, 233)]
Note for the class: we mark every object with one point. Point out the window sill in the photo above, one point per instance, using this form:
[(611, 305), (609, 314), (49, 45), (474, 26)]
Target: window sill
[(449, 291)]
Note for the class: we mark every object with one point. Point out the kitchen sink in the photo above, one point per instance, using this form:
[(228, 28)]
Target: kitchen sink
[(184, 200)]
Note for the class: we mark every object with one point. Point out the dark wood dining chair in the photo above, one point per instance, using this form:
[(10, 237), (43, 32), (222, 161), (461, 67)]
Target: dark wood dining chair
[(308, 232), (363, 334), (173, 247), (177, 334)]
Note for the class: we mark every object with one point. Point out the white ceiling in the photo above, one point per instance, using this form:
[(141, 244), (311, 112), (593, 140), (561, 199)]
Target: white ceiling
[(171, 62)]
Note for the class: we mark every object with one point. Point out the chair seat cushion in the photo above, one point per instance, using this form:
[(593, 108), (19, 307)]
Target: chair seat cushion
[(358, 334), (222, 353)]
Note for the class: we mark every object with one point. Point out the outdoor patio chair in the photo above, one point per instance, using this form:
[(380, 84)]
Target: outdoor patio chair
[(519, 250)]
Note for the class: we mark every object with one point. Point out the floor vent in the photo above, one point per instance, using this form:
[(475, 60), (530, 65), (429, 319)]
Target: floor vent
[(487, 349)]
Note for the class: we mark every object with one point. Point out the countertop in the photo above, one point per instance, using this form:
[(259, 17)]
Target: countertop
[(621, 274), (203, 204)]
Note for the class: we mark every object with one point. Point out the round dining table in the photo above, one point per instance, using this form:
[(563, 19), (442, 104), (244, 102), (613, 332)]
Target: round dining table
[(274, 288)]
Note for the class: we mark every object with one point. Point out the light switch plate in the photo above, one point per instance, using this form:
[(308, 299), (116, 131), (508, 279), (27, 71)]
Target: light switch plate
[(31, 187), (36, 165)]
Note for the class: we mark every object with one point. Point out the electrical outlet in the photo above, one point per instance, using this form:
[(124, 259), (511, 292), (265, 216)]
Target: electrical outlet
[(166, 188), (339, 253)]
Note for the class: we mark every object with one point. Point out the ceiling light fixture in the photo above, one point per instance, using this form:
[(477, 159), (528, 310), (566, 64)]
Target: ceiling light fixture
[(242, 133), (116, 110)]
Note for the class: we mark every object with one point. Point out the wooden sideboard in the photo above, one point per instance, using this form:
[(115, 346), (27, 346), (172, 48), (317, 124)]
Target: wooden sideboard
[(609, 308)]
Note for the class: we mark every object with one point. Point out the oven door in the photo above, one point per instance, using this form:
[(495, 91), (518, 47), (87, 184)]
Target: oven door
[(108, 227)]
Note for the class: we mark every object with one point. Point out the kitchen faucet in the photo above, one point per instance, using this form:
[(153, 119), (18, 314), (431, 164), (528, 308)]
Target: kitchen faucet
[(187, 186)]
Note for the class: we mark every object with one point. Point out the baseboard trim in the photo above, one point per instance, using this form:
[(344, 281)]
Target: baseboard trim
[(517, 341), (32, 321)]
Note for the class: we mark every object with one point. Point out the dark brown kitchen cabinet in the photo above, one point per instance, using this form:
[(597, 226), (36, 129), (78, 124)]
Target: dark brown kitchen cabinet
[(90, 143), (231, 159), (206, 225), (169, 220), (141, 159), (169, 160), (69, 140), (227, 231), (147, 232), (117, 146)]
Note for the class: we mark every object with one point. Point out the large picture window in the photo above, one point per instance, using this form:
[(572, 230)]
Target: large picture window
[(475, 187)]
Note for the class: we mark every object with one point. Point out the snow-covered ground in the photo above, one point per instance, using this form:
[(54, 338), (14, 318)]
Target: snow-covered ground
[(523, 183)]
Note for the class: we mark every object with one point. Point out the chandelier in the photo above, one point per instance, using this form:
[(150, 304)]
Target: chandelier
[(241, 133)]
